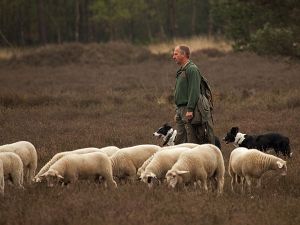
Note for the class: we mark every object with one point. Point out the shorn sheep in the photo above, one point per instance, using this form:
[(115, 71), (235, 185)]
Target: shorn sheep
[(201, 163), (12, 169), (247, 164), (162, 161), (109, 150), (70, 168), (145, 164), (126, 161), (28, 155)]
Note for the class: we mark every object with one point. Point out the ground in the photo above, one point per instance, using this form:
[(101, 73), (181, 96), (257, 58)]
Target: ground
[(70, 97)]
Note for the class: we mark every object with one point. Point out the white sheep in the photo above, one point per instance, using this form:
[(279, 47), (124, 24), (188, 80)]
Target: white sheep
[(28, 155), (1, 178), (202, 163), (161, 162), (126, 161), (186, 145), (70, 168), (145, 164), (247, 164), (12, 169), (109, 150)]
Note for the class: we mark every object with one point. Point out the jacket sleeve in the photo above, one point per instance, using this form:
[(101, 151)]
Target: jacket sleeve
[(194, 78)]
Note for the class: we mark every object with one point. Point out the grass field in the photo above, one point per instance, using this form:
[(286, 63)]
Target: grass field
[(74, 96)]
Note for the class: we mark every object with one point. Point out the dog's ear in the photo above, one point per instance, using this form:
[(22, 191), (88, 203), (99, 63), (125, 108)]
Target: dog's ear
[(167, 126), (234, 130)]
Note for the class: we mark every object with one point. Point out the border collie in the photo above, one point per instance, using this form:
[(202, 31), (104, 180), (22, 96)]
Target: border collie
[(169, 134), (262, 142)]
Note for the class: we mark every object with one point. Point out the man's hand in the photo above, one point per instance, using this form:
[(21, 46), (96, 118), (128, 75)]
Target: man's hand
[(189, 115)]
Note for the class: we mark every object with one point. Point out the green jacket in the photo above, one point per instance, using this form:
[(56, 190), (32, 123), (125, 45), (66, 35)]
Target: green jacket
[(187, 88)]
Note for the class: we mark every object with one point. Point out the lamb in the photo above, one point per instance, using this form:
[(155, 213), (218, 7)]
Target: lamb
[(109, 150), (198, 164), (245, 164), (28, 155), (126, 161), (11, 168), (72, 167), (162, 161), (145, 164)]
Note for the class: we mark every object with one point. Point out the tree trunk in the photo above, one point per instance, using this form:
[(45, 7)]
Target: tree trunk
[(172, 17), (41, 22), (193, 21), (77, 20), (209, 21)]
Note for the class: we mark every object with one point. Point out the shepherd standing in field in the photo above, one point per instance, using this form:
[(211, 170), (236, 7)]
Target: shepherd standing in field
[(193, 101)]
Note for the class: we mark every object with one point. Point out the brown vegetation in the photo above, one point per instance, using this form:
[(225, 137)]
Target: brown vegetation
[(101, 95)]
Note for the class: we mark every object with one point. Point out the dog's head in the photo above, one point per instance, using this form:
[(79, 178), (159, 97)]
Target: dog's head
[(162, 131), (230, 136)]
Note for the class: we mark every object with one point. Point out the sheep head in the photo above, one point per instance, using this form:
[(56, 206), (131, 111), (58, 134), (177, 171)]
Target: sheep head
[(175, 177), (150, 179), (52, 177), (281, 167)]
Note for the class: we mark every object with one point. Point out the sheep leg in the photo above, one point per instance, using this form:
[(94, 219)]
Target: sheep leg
[(131, 179), (204, 183), (248, 181), (2, 185), (213, 184), (17, 179), (220, 185), (112, 184), (242, 184), (258, 184), (26, 175), (233, 182), (30, 174)]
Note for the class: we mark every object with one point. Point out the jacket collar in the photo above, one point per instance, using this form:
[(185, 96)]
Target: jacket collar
[(183, 68)]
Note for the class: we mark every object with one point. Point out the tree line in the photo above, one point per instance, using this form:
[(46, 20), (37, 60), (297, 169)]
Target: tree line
[(262, 25)]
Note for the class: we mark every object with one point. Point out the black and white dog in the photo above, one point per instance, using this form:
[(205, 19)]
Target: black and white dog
[(169, 134), (278, 142)]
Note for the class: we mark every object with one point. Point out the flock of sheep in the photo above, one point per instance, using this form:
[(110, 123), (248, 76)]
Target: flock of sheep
[(177, 166)]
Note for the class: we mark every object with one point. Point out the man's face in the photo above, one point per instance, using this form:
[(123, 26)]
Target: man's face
[(178, 57)]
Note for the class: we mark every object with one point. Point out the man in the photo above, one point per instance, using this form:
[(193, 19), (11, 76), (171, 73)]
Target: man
[(187, 93)]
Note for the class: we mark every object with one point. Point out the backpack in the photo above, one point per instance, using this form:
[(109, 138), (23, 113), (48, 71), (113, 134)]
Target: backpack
[(206, 91), (204, 107)]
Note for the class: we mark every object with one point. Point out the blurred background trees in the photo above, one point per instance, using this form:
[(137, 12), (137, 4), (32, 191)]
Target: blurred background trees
[(265, 26)]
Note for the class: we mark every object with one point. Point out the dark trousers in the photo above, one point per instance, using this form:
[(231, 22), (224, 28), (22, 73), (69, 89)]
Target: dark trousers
[(189, 133)]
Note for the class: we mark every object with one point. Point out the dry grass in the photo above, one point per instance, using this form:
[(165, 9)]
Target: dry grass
[(9, 53), (195, 43), (82, 104)]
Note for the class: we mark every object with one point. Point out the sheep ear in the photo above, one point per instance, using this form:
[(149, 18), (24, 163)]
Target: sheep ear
[(43, 175), (182, 172), (279, 164), (59, 176), (152, 174)]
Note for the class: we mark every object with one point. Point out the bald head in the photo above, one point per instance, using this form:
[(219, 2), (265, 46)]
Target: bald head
[(185, 50), (181, 54)]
